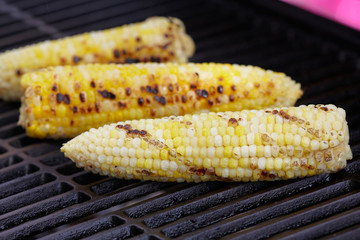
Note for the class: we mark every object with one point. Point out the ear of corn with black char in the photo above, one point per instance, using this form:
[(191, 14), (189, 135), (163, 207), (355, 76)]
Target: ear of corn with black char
[(272, 144), (63, 102), (158, 39)]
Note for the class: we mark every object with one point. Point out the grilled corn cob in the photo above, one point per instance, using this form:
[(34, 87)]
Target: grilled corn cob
[(249, 145), (64, 101), (158, 39)]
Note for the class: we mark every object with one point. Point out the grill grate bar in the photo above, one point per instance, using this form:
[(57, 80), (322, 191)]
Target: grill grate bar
[(328, 226), (270, 212)]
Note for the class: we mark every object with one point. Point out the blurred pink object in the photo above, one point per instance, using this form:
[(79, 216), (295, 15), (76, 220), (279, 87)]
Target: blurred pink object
[(346, 12)]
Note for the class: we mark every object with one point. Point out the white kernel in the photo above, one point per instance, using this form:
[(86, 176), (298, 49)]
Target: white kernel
[(188, 151), (116, 151), (101, 158), (302, 131), (120, 142), (191, 132), (254, 128), (225, 172), (297, 140), (148, 153), (136, 142), (99, 150), (261, 163), (267, 151), (250, 138), (262, 128), (125, 162), (237, 152), (244, 151), (252, 150), (279, 119), (124, 151), (275, 150), (314, 145), (211, 152), (173, 166), (122, 134), (93, 156), (133, 162), (165, 165), (218, 141), (132, 152), (214, 131), (159, 133), (333, 134)]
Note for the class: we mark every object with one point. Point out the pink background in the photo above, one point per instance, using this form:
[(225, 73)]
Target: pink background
[(346, 12)]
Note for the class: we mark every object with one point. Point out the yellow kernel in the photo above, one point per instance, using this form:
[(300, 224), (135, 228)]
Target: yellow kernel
[(148, 163), (280, 139), (140, 163), (258, 140), (242, 140), (202, 141), (116, 161), (240, 130), (260, 151), (210, 141), (177, 141), (215, 162), (290, 174), (144, 144), (288, 138), (228, 151), (181, 150), (156, 164), (164, 154), (230, 131), (206, 132), (233, 163), (244, 162), (234, 141), (207, 162), (226, 140), (305, 142), (270, 119), (278, 163), (278, 128), (224, 162), (219, 152), (139, 153), (286, 128)]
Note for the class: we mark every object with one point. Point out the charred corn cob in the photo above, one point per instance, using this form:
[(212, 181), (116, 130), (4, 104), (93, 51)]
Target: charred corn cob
[(158, 39), (250, 145), (62, 102)]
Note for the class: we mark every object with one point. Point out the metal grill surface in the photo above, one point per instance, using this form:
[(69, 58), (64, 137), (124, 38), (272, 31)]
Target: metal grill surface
[(43, 195)]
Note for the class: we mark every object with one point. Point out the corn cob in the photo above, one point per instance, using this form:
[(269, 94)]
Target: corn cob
[(158, 39), (63, 102), (249, 145)]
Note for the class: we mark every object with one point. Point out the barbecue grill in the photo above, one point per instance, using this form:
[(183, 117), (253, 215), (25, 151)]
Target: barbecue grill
[(43, 195)]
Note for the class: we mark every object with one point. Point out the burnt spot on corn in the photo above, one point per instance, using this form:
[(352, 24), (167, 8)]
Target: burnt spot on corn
[(246, 93), (89, 109), (127, 126), (148, 89), (171, 53), (138, 39), (162, 100), (140, 101), (155, 89), (212, 90), (72, 122), (54, 87), (131, 60), (62, 60), (204, 93), (257, 85), (192, 86), (121, 104), (18, 72), (231, 97), (198, 92), (211, 102), (275, 112), (233, 87), (76, 59), (220, 89), (128, 91), (82, 97), (233, 122), (59, 97), (183, 98), (116, 53), (107, 94), (75, 109), (170, 87), (92, 84), (97, 107), (324, 109), (220, 79)]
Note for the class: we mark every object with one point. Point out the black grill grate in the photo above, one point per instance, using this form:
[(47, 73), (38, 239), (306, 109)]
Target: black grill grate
[(43, 194)]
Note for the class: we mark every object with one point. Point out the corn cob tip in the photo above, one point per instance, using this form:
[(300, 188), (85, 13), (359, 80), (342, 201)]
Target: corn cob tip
[(270, 144)]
